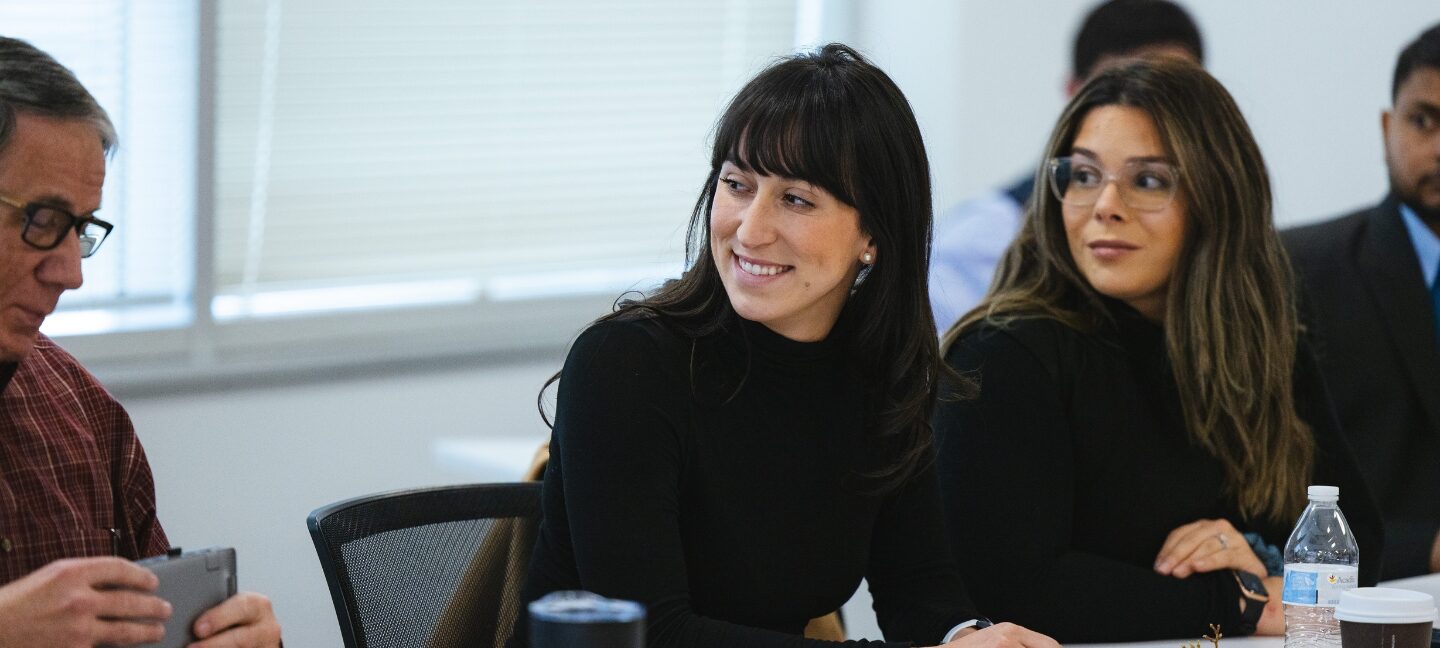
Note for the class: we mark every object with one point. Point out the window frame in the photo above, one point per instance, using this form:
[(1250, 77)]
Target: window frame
[(207, 352)]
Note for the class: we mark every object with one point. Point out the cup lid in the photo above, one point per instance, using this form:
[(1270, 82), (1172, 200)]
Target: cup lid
[(584, 607), (1385, 605)]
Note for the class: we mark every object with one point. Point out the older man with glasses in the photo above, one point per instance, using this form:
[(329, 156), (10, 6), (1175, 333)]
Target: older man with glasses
[(76, 494)]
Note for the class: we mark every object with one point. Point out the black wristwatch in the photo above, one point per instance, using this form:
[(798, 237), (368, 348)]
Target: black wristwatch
[(1253, 597)]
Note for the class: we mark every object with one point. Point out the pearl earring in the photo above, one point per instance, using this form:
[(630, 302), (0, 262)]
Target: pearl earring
[(867, 258)]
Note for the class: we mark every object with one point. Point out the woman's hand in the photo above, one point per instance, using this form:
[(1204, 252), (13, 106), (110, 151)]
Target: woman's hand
[(1206, 546), (1001, 635)]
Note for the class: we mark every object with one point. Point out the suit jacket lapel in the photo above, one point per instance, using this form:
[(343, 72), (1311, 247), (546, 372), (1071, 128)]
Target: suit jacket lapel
[(1386, 260)]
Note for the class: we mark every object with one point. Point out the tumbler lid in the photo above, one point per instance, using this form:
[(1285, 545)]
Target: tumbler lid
[(1385, 605), (575, 606)]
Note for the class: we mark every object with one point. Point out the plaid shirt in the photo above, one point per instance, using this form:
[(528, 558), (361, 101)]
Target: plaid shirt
[(64, 445)]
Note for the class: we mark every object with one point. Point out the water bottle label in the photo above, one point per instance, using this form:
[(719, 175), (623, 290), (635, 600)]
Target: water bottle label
[(1317, 585)]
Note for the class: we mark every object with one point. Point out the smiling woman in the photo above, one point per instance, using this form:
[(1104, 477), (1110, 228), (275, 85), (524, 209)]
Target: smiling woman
[(738, 450), (788, 251)]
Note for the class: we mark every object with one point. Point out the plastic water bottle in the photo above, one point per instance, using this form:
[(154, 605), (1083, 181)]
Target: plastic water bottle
[(1321, 561)]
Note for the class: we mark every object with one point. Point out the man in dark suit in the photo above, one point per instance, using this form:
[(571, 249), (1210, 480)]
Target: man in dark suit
[(1372, 301)]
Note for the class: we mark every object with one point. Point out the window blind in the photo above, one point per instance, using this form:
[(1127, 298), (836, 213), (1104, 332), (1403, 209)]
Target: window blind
[(372, 153), (138, 60)]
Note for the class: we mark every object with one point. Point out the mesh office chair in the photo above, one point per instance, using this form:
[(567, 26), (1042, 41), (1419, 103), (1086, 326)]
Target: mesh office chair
[(431, 568)]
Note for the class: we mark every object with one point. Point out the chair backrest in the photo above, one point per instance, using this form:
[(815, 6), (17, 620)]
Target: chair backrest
[(432, 568)]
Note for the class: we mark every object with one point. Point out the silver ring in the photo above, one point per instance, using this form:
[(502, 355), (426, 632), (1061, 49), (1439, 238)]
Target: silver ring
[(1224, 544)]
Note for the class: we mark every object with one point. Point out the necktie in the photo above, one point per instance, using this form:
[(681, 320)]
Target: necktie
[(1435, 302)]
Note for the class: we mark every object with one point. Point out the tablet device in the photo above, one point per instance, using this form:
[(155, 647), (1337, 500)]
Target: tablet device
[(193, 582)]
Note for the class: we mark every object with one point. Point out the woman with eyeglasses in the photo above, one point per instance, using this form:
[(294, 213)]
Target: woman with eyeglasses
[(737, 450), (1149, 416)]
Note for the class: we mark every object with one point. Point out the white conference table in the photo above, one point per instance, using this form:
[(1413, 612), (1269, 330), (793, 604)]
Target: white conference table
[(1225, 642), (1429, 584)]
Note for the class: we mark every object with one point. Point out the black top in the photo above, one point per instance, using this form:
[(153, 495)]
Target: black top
[(732, 514), (1072, 466), (1373, 320)]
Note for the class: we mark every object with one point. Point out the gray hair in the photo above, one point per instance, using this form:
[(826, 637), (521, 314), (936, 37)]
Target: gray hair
[(33, 82)]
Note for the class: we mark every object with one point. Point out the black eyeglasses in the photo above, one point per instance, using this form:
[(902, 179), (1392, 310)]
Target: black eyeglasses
[(46, 226)]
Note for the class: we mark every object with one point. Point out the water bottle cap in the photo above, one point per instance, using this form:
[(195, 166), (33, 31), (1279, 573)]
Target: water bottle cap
[(1325, 493), (584, 607), (1385, 605)]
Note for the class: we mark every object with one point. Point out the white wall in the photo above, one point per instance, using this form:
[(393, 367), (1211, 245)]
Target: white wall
[(245, 466), (987, 79)]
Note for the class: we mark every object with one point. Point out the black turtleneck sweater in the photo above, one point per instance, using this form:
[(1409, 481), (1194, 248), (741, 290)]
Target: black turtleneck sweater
[(713, 482), (1062, 480)]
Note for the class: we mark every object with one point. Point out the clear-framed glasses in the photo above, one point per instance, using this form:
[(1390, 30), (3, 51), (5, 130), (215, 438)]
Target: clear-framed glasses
[(46, 226), (1143, 185)]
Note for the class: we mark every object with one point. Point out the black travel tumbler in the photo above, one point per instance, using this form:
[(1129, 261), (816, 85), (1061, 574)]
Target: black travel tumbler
[(585, 620)]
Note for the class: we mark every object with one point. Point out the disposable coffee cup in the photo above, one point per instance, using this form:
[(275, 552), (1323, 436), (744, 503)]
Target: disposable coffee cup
[(572, 618), (1385, 617)]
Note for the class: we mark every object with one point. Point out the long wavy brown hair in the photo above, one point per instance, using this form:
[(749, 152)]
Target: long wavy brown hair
[(1231, 327)]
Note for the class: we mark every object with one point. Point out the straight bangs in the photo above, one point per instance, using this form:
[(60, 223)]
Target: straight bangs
[(787, 128)]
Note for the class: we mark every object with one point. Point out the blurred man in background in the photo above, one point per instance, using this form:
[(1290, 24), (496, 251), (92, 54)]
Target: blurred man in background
[(1372, 300)]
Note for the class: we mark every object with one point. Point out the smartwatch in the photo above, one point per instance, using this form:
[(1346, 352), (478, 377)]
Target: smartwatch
[(1253, 599)]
